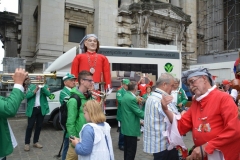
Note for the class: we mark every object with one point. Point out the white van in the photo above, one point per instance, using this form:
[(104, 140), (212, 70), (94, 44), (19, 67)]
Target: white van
[(130, 63)]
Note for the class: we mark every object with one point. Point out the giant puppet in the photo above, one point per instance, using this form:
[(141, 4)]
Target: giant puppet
[(90, 60)]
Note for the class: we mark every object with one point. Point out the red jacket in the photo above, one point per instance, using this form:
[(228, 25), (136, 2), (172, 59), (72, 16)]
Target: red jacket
[(80, 63), (214, 120)]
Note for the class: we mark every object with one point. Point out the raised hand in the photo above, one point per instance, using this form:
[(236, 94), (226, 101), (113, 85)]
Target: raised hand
[(19, 76), (166, 99)]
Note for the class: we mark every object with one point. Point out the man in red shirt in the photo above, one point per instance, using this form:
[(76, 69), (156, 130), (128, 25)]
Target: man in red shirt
[(90, 60), (212, 118)]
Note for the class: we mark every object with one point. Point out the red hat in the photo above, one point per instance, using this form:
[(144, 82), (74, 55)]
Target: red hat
[(225, 82)]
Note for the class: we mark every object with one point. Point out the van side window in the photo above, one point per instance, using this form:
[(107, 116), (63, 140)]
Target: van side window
[(54, 84)]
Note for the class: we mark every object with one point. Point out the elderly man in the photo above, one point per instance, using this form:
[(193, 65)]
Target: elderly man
[(69, 83), (212, 118), (91, 61), (179, 96), (154, 124)]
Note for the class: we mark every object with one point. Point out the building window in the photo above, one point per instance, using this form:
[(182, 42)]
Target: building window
[(76, 34), (153, 40)]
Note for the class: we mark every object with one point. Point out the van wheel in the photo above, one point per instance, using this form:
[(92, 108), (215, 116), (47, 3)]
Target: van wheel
[(56, 123)]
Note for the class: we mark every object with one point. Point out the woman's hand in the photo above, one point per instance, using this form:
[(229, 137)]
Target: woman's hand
[(74, 141)]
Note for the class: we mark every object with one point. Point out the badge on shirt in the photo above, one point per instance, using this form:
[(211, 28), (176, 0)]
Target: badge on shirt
[(204, 126)]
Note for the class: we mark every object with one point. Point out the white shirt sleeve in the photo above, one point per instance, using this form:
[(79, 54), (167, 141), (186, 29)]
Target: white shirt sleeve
[(234, 94), (19, 86)]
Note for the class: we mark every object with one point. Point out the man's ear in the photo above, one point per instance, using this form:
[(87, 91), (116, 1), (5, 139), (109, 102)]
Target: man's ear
[(81, 81)]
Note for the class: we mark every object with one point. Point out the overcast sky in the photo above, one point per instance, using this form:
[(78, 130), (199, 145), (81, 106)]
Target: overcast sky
[(10, 6)]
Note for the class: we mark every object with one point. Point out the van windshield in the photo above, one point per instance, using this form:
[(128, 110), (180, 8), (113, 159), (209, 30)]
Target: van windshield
[(54, 84)]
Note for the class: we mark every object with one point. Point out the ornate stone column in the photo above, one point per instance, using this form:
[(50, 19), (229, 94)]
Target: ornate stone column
[(141, 18), (125, 5)]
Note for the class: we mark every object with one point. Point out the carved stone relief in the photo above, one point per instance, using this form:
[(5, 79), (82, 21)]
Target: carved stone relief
[(160, 20)]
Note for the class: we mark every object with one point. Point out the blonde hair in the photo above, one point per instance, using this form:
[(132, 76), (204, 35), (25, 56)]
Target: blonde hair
[(95, 112)]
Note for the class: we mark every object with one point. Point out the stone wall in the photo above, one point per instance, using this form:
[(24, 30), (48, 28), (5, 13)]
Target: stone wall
[(190, 8), (77, 15), (28, 30), (105, 21), (51, 27)]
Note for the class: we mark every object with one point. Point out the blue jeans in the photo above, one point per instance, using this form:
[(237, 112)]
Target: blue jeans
[(121, 138), (65, 148)]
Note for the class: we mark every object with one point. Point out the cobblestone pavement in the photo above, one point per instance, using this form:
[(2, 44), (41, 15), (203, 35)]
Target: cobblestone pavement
[(52, 139)]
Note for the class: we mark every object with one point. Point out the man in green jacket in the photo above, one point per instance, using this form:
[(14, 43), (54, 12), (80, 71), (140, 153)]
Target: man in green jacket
[(8, 108), (75, 119), (120, 93), (37, 108), (179, 96), (130, 123), (69, 83)]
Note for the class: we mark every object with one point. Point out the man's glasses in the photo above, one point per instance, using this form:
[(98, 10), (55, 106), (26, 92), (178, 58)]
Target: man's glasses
[(89, 80), (192, 81)]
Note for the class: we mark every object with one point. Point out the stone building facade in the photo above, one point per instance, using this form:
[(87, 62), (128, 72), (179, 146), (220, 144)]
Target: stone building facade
[(50, 28)]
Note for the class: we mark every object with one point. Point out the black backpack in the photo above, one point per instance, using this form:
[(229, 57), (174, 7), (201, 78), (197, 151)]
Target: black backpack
[(63, 112)]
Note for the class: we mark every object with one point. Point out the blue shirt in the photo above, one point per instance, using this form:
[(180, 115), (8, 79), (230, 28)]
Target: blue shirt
[(85, 147)]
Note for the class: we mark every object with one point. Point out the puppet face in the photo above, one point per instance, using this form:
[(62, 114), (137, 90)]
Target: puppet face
[(91, 44)]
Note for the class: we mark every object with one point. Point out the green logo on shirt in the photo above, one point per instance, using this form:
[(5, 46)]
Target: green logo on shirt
[(168, 67)]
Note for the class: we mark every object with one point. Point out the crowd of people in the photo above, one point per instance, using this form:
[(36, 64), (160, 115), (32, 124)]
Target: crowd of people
[(213, 117)]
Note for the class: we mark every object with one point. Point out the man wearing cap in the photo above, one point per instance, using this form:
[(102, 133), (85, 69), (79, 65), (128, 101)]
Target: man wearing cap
[(69, 83), (90, 60), (120, 93), (212, 118), (37, 108), (227, 88)]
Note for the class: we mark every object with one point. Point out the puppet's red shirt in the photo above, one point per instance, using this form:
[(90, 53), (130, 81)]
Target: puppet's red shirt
[(99, 62)]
